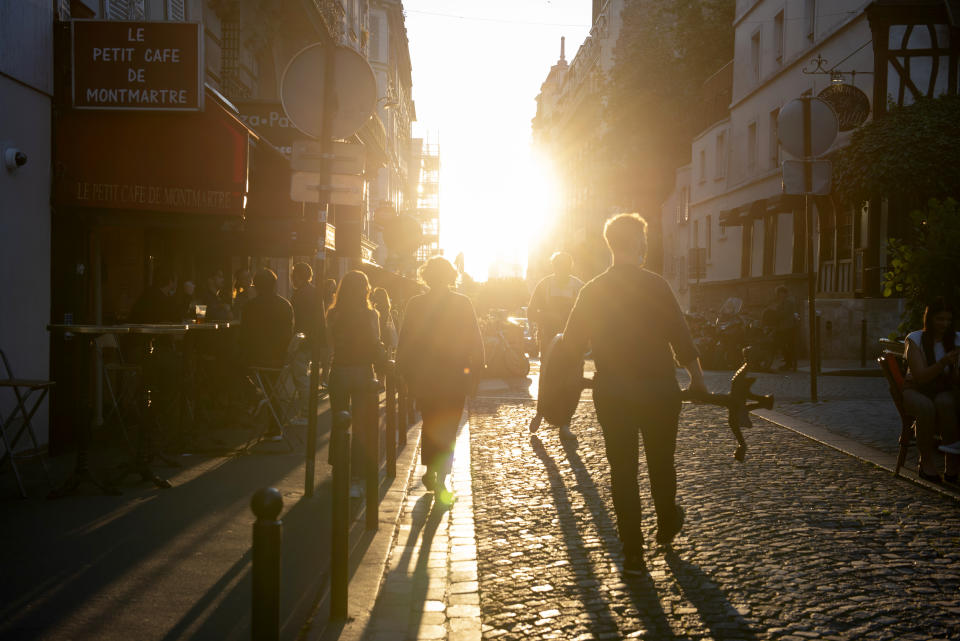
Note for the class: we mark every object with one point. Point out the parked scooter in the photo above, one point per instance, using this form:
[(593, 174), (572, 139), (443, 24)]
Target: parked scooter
[(504, 344)]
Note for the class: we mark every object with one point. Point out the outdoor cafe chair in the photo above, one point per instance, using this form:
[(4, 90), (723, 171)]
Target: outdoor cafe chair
[(29, 395), (891, 362), (276, 388)]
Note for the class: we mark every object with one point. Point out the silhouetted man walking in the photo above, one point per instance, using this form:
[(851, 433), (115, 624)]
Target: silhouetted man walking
[(631, 319)]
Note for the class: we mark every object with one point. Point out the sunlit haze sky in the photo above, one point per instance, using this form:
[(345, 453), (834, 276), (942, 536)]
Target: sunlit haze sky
[(477, 69)]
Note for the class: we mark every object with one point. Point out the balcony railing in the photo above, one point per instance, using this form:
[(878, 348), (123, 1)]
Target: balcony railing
[(332, 13)]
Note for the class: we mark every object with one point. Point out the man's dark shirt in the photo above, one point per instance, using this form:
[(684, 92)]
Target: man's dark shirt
[(631, 319), (154, 306), (308, 316), (267, 329)]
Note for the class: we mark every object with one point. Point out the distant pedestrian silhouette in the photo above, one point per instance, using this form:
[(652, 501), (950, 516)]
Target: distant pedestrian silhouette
[(440, 353)]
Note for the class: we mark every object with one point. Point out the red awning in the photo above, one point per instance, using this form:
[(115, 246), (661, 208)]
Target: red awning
[(161, 162)]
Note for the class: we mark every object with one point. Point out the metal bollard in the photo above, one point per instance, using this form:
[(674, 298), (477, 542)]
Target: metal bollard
[(863, 342), (818, 352), (371, 459), (266, 504), (391, 423), (340, 516), (402, 403), (312, 401)]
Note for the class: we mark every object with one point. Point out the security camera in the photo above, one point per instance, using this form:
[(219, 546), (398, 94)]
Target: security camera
[(13, 158)]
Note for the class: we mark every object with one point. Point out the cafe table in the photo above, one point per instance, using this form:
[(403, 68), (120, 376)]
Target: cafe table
[(144, 451), (83, 338)]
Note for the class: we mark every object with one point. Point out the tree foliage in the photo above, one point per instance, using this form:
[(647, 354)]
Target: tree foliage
[(910, 154), (666, 49), (926, 264)]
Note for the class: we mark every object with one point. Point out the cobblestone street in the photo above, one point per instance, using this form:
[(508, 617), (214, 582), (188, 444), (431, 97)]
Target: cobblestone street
[(799, 542)]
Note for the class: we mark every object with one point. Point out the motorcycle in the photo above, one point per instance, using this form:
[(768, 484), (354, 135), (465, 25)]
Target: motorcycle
[(505, 345)]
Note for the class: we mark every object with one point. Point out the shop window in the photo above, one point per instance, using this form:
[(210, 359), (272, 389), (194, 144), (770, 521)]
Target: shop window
[(769, 244)]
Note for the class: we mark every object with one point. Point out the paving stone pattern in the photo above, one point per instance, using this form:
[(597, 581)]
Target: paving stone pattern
[(853, 406), (799, 542)]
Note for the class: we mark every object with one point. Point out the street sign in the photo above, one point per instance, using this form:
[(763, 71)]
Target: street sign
[(346, 158), (821, 174), (353, 84), (308, 187), (795, 122)]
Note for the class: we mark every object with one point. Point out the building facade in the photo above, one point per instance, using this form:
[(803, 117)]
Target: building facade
[(26, 93), (567, 129), (96, 200), (729, 228)]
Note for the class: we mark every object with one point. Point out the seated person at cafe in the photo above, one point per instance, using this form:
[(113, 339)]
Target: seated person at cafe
[(158, 303), (267, 323), (211, 295), (930, 393)]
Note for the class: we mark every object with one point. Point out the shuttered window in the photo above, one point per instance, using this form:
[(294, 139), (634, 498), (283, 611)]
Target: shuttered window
[(125, 9), (176, 11)]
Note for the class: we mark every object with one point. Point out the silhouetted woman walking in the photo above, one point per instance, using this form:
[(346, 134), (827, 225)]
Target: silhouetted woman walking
[(353, 328), (440, 353)]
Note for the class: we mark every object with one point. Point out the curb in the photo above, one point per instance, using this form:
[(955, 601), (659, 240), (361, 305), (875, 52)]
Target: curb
[(366, 580), (854, 449)]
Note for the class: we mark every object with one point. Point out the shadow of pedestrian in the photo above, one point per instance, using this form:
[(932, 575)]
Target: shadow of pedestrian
[(403, 596), (716, 612), (641, 590), (602, 620)]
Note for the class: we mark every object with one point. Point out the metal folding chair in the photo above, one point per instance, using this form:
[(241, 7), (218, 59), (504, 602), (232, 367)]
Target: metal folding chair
[(29, 395), (277, 389)]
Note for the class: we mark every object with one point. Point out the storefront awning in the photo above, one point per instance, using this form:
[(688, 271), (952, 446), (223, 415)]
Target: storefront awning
[(751, 210), (195, 163)]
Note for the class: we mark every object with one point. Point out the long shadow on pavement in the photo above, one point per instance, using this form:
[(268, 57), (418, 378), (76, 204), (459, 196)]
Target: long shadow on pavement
[(717, 614), (714, 609), (602, 621)]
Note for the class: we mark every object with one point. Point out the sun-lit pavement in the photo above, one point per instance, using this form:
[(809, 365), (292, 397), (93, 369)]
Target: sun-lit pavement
[(798, 542)]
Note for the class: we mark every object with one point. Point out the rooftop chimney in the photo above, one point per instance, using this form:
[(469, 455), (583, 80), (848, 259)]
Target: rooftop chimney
[(563, 46)]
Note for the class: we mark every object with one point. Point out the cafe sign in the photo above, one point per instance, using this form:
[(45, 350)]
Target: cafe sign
[(151, 66)]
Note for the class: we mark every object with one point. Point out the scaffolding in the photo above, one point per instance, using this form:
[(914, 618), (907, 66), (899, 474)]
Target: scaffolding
[(428, 200)]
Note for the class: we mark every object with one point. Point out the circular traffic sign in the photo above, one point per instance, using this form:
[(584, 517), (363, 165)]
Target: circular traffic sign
[(822, 126), (353, 84)]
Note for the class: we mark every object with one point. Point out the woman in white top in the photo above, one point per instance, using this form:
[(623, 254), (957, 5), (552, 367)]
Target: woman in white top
[(931, 388)]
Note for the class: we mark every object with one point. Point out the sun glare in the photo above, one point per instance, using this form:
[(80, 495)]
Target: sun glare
[(496, 226)]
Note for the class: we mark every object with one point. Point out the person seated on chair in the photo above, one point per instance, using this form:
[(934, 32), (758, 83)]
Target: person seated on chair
[(211, 295), (930, 392), (267, 324)]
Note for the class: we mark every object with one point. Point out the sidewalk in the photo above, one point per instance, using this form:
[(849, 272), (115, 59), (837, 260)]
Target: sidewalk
[(175, 563)]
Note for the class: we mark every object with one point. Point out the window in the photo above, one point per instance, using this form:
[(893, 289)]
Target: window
[(774, 139), (721, 155), (375, 38), (810, 18), (696, 233), (755, 55), (703, 165), (708, 229), (778, 37), (176, 11), (752, 146), (683, 206)]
